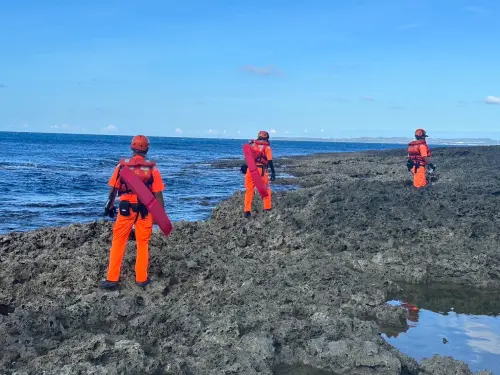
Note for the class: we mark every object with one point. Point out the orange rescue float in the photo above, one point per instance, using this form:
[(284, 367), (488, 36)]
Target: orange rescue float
[(254, 171), (147, 198)]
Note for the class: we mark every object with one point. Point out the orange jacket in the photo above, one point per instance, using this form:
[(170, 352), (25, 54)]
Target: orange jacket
[(262, 152), (144, 169), (417, 150)]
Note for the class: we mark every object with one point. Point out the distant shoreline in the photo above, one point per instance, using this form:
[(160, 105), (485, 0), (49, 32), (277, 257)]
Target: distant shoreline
[(435, 141), (379, 140)]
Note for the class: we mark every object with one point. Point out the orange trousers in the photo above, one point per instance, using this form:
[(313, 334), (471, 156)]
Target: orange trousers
[(121, 232), (419, 177), (250, 190)]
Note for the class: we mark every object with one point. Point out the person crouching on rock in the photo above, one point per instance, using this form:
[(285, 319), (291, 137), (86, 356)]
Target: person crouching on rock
[(263, 155), (419, 156), (131, 212)]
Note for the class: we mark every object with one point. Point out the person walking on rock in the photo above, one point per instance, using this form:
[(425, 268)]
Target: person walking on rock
[(419, 160), (132, 213), (262, 152)]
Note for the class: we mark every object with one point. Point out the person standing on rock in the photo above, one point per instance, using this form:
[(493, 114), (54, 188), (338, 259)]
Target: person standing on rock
[(264, 160), (132, 213), (419, 160)]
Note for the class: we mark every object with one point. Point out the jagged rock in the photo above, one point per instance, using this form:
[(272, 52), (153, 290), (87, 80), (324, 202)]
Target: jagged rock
[(438, 365), (305, 283)]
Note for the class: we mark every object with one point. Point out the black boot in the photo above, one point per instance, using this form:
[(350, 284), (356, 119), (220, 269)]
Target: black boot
[(106, 284), (143, 284)]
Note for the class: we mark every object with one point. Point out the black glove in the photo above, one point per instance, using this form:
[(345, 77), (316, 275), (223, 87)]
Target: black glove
[(244, 168), (273, 176), (410, 164), (432, 167), (110, 211)]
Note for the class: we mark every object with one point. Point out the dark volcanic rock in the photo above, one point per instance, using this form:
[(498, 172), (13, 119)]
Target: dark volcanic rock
[(303, 284), (446, 365)]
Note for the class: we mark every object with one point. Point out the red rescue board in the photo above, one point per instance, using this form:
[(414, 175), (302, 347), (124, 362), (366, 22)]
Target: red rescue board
[(148, 199), (254, 171)]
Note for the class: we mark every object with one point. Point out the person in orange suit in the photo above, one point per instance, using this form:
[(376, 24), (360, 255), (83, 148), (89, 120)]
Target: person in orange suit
[(264, 160), (412, 314), (132, 213), (413, 311), (419, 156)]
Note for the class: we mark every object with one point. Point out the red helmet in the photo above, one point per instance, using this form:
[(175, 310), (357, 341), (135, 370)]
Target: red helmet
[(420, 133), (263, 135), (140, 143)]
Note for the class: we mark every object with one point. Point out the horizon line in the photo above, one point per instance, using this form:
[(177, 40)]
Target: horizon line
[(235, 138)]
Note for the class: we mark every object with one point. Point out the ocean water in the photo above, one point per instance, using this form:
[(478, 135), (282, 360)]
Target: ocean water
[(451, 320), (59, 179)]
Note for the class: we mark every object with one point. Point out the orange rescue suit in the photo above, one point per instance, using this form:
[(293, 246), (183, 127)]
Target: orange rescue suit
[(262, 155), (417, 150), (129, 215)]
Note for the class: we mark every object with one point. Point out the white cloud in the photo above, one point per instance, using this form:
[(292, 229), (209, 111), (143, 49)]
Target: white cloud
[(109, 129), (322, 130), (63, 126), (306, 130), (18, 127), (239, 131), (492, 100), (273, 131), (22, 127), (67, 128), (262, 70), (178, 131), (482, 337), (287, 132)]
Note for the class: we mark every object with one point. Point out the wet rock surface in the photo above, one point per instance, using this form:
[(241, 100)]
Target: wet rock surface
[(303, 284), (442, 298)]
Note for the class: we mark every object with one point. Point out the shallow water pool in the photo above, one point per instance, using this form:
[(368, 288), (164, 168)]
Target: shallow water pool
[(449, 321)]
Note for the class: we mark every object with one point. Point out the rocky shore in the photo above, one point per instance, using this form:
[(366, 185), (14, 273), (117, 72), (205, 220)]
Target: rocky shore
[(303, 284)]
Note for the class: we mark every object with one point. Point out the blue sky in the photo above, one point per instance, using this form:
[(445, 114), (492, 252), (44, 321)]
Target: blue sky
[(317, 68)]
